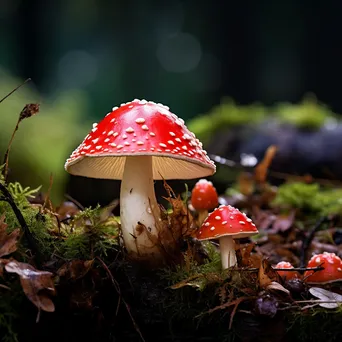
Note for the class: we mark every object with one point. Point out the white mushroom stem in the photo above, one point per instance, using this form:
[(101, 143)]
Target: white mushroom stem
[(138, 204), (227, 251)]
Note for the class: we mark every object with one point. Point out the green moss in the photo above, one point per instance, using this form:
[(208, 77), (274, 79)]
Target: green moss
[(310, 198), (309, 113), (90, 234)]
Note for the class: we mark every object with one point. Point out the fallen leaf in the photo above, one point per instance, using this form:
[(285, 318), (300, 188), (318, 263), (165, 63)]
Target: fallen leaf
[(196, 281), (8, 242), (261, 170), (328, 296), (36, 284), (75, 269), (266, 274), (282, 223), (278, 287)]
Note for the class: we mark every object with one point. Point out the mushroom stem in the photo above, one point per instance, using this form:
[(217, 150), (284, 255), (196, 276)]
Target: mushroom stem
[(138, 204), (227, 250), (202, 215)]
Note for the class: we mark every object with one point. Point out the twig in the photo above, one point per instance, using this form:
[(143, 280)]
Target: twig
[(118, 290), (73, 200), (7, 197), (47, 198), (28, 111), (15, 89), (307, 242)]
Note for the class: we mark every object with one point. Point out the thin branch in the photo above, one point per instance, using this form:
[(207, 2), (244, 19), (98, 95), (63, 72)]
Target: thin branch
[(15, 89), (7, 197), (307, 242)]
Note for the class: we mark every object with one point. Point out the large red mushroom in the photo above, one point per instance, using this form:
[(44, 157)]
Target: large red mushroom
[(139, 142), (226, 223)]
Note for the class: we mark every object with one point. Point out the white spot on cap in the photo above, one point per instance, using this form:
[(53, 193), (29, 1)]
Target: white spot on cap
[(119, 146), (114, 108), (115, 134), (171, 142), (129, 130), (127, 143), (95, 140), (162, 145), (140, 142), (124, 136), (242, 222), (112, 144), (98, 147), (224, 222), (172, 134), (217, 218), (110, 133), (112, 120), (207, 224), (140, 120), (94, 124), (144, 127), (212, 228), (178, 140), (106, 140), (152, 134)]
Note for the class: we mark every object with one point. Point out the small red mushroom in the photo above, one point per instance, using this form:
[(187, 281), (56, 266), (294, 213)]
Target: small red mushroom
[(139, 142), (204, 198), (226, 223), (332, 269), (284, 274)]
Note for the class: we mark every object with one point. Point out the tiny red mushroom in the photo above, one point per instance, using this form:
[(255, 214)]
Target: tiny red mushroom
[(284, 274), (139, 142), (226, 223), (332, 269), (204, 198)]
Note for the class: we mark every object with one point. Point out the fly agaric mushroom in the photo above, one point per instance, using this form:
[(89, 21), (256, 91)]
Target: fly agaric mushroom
[(203, 198), (284, 274), (139, 142), (226, 223), (332, 269)]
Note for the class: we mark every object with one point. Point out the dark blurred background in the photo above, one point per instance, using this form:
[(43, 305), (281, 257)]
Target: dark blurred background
[(186, 54)]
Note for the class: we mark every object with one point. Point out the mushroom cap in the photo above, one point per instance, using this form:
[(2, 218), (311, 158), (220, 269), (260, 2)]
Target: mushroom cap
[(284, 274), (226, 220), (140, 128), (332, 269), (204, 195)]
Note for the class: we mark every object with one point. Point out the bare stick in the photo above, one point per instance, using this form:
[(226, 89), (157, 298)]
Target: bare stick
[(15, 89), (28, 111)]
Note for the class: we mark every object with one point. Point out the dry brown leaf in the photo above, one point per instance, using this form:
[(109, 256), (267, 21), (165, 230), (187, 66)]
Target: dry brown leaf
[(8, 242), (266, 274), (36, 284), (261, 170), (75, 269)]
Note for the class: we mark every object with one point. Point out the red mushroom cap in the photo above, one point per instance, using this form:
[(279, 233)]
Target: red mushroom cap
[(332, 269), (140, 128), (204, 195), (226, 220), (284, 274)]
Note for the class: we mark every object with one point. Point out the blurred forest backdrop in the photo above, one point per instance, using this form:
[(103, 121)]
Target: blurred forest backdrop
[(86, 56)]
